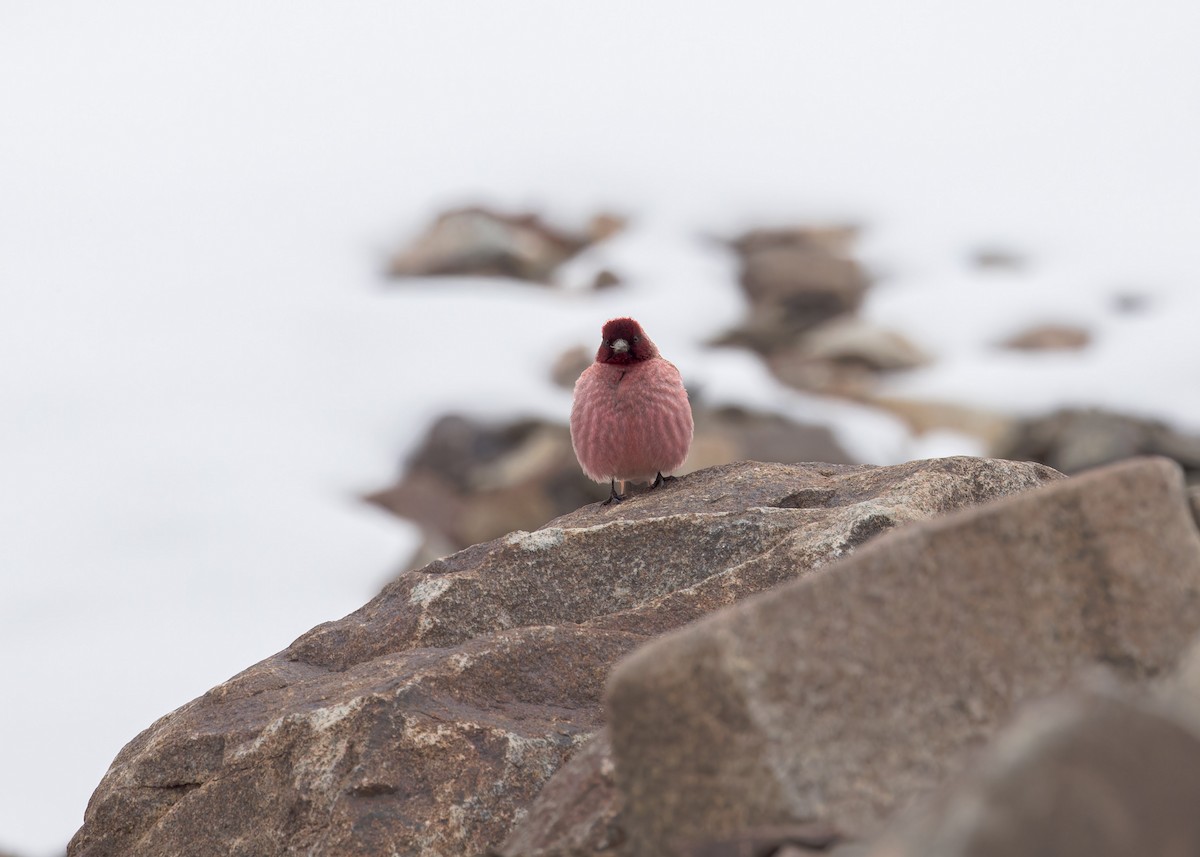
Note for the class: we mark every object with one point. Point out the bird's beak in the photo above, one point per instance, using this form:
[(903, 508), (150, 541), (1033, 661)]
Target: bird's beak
[(620, 346)]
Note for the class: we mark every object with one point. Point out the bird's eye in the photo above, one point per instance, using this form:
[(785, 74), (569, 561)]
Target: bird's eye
[(637, 339)]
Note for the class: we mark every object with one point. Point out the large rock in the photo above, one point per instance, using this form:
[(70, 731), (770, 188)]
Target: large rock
[(841, 696), (427, 721), (1101, 773)]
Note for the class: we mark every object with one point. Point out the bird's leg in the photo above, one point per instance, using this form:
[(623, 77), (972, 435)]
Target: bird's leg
[(613, 497), (661, 480)]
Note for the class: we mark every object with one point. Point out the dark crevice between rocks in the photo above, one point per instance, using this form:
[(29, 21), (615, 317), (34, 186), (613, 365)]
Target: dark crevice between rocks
[(812, 838), (866, 529), (1127, 665), (807, 498), (180, 788)]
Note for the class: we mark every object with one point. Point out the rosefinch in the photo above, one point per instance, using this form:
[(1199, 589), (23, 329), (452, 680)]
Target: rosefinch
[(630, 419)]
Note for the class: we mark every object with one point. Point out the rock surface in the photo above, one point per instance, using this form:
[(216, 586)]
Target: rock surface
[(1101, 769), (429, 720), (576, 813), (842, 695), (1105, 774)]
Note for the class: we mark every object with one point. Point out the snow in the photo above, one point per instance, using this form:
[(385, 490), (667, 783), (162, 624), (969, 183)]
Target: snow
[(202, 368)]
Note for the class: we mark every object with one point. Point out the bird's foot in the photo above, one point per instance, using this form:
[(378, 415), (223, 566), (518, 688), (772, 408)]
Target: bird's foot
[(661, 480), (613, 496)]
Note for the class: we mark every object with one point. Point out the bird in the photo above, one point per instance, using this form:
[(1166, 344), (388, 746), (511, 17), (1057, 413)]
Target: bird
[(630, 415)]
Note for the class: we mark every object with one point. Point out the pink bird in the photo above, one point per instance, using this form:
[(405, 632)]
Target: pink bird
[(630, 419)]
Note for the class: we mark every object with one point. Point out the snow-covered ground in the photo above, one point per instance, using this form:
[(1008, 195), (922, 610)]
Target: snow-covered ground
[(200, 367)]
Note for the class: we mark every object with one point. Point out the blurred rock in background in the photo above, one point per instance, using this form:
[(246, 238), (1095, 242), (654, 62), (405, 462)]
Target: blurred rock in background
[(478, 241), (1071, 440), (995, 257), (725, 434), (844, 357), (570, 365), (804, 288), (470, 481), (1098, 771), (1049, 337), (605, 279), (1130, 302), (795, 278), (923, 416)]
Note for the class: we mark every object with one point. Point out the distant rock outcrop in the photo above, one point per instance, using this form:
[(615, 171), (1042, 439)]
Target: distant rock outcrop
[(844, 357), (795, 278), (1073, 440), (996, 257), (479, 241), (1049, 337), (428, 721), (805, 288)]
